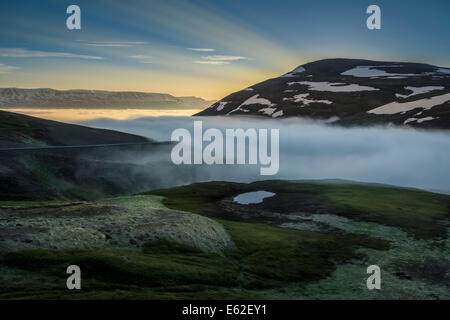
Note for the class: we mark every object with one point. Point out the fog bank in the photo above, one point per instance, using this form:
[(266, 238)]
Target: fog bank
[(314, 150)]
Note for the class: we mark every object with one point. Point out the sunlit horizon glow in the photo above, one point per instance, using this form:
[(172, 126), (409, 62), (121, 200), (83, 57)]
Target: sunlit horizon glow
[(204, 48), (82, 115)]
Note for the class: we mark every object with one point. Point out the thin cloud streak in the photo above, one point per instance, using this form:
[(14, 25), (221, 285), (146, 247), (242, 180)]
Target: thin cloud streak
[(211, 62), (201, 49), (25, 53), (224, 58), (114, 42), (139, 56), (7, 69), (108, 45), (219, 59)]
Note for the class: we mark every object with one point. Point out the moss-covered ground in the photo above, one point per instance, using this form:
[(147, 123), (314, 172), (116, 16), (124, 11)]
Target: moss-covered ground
[(403, 231)]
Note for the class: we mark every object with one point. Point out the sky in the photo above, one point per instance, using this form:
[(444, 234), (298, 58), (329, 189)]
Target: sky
[(205, 48)]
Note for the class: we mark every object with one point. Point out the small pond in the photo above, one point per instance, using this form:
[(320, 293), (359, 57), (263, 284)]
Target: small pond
[(252, 197)]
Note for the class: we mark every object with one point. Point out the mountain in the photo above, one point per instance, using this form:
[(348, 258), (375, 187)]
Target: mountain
[(349, 92), (17, 130), (50, 98)]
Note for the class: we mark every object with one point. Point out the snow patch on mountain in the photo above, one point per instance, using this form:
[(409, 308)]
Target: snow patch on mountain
[(269, 111), (373, 73), (333, 87), (253, 100), (397, 107), (277, 114), (443, 70), (293, 72), (221, 105), (419, 120), (256, 100), (302, 98), (370, 71), (418, 90)]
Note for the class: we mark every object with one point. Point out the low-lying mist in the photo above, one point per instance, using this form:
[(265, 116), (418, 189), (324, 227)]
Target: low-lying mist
[(308, 150)]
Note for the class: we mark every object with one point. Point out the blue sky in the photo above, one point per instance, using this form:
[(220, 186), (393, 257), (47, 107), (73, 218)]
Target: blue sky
[(147, 45)]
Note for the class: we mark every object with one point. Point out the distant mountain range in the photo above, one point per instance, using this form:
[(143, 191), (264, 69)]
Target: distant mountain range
[(349, 92), (50, 98)]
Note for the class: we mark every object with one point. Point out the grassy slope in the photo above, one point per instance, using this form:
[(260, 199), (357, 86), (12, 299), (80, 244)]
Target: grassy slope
[(265, 261), (414, 211)]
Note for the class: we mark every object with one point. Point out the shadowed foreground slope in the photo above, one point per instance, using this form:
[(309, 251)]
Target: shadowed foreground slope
[(17, 130)]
